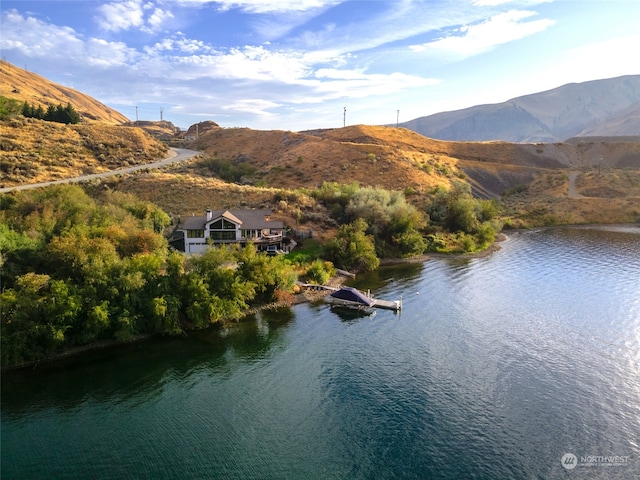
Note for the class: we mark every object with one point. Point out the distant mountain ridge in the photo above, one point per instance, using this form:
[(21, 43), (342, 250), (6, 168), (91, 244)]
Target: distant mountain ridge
[(609, 107)]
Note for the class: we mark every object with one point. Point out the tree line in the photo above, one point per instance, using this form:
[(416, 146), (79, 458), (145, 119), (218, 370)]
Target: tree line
[(81, 267), (53, 113), (376, 223)]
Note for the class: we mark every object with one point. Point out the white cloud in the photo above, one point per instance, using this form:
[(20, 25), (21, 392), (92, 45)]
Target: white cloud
[(474, 39), (254, 106), (130, 14), (496, 3), (357, 84), (118, 16), (34, 38), (158, 19), (270, 6), (179, 44)]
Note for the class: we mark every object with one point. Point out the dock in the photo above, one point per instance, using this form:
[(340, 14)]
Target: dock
[(395, 305)]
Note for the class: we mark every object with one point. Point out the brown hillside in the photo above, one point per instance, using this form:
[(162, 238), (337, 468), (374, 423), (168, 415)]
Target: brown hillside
[(162, 129), (33, 151), (400, 158), (376, 156), (24, 86)]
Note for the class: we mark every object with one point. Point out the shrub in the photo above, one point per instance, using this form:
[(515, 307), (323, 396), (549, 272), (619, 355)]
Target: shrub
[(352, 249), (319, 272)]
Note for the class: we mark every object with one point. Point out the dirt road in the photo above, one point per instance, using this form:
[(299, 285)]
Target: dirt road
[(573, 191), (176, 155)]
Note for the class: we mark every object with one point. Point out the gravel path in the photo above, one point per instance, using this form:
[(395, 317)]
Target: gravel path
[(573, 191)]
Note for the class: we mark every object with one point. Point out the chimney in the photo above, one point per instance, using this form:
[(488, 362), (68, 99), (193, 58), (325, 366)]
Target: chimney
[(209, 214)]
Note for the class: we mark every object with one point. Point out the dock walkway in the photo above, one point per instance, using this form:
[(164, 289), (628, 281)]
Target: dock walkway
[(388, 304)]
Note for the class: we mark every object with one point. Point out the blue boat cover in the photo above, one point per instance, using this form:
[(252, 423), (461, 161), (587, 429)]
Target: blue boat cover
[(353, 295)]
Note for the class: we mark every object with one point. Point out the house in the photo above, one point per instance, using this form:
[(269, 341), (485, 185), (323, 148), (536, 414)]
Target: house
[(219, 227)]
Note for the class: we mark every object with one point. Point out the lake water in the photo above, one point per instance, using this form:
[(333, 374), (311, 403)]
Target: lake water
[(496, 368)]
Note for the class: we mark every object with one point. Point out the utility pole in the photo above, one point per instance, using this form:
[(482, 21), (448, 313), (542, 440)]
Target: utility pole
[(397, 118), (136, 115), (344, 117), (161, 110)]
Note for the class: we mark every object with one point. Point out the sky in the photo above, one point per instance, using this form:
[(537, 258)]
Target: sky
[(305, 64)]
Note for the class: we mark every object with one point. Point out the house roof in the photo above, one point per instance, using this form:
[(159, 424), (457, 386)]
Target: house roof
[(249, 219), (229, 216)]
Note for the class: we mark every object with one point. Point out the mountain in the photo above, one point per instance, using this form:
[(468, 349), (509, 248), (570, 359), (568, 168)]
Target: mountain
[(25, 86), (608, 107)]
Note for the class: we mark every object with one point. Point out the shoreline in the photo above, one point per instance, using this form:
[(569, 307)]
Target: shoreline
[(306, 296), (494, 247), (298, 298)]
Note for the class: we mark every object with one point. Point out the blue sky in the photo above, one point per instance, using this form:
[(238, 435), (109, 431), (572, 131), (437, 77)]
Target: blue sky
[(296, 64)]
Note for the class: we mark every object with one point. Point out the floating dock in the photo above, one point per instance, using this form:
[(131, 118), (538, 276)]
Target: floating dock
[(395, 305)]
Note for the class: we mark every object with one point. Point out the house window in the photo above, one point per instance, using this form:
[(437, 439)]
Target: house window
[(223, 235), (195, 233), (222, 224)]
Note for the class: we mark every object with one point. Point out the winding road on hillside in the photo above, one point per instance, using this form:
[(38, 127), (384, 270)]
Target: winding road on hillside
[(176, 155)]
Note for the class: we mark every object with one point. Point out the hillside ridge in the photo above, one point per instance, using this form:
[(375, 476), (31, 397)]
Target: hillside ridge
[(24, 86), (608, 107)]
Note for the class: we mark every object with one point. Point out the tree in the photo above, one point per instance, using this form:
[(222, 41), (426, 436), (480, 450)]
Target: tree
[(268, 274), (454, 208), (352, 248), (389, 218)]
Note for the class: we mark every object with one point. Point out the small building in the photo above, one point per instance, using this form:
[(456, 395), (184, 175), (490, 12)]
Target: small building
[(220, 227)]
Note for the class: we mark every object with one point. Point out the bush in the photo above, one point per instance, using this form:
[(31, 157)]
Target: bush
[(486, 235), (229, 171), (352, 249), (319, 272)]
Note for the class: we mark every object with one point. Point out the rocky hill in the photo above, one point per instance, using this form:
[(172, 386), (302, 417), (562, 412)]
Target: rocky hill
[(25, 86), (608, 107), (163, 129)]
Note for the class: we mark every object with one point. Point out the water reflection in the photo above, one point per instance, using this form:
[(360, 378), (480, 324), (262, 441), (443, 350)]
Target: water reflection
[(137, 372), (350, 315), (495, 368)]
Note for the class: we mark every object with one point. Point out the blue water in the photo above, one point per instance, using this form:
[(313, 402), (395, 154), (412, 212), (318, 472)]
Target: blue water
[(495, 368)]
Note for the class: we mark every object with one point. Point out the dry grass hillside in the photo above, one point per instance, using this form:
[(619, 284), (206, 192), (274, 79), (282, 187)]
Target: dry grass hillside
[(599, 196), (590, 180), (532, 180), (25, 86), (163, 129), (376, 156), (34, 151)]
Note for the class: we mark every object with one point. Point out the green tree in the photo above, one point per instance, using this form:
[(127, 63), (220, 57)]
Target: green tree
[(352, 248), (319, 272), (390, 218), (269, 274)]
